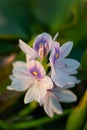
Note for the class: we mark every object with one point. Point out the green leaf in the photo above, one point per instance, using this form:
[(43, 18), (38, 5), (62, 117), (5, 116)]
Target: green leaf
[(12, 30), (4, 125), (51, 13), (38, 122), (14, 19), (85, 127), (77, 117), (30, 108), (84, 61)]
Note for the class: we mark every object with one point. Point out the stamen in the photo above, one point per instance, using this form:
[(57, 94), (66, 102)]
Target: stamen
[(43, 50), (34, 73), (57, 55)]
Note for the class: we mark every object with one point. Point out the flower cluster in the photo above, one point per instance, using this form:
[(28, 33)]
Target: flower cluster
[(47, 73)]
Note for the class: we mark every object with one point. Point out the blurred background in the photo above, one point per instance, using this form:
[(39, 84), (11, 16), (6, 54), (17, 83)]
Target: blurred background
[(24, 19)]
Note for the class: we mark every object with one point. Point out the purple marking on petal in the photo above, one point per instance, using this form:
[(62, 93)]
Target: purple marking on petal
[(42, 47), (56, 54), (36, 72), (38, 43)]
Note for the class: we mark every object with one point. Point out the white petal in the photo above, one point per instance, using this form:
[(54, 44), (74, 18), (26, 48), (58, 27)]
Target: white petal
[(20, 70), (37, 92), (51, 105), (19, 64), (66, 48), (27, 49), (21, 74), (65, 96), (61, 78), (47, 82), (21, 67), (75, 80), (68, 68), (56, 89), (40, 92), (20, 84), (56, 107), (10, 88), (47, 106), (29, 96), (11, 77), (70, 65), (28, 58)]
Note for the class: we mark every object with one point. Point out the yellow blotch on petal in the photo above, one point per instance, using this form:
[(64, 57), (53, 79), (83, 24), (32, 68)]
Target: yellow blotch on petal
[(35, 73), (57, 55)]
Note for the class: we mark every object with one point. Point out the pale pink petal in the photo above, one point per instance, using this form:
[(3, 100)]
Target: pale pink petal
[(42, 87), (37, 92), (47, 82), (51, 105), (47, 106), (30, 95)]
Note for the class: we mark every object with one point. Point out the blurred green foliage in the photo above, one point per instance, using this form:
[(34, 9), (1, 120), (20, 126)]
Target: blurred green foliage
[(78, 115), (24, 19)]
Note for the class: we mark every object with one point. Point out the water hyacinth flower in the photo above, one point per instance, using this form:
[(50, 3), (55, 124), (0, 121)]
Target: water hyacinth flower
[(51, 102), (41, 46), (46, 82), (31, 77), (62, 68)]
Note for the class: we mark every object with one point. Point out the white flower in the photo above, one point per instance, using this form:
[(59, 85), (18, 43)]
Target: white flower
[(31, 76), (62, 68), (51, 103)]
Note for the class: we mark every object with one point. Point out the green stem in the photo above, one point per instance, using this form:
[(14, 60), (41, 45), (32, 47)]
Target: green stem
[(4, 125), (27, 110), (40, 121)]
